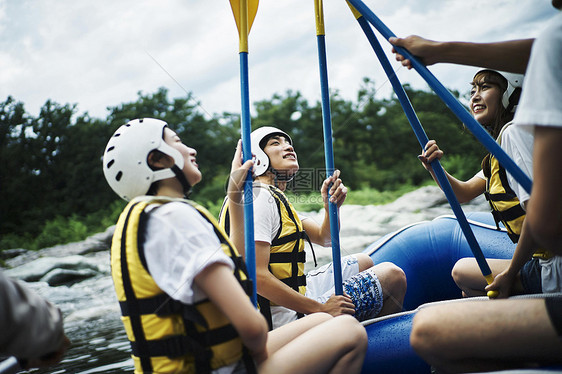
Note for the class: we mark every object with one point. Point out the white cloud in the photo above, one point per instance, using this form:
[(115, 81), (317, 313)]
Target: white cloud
[(96, 53)]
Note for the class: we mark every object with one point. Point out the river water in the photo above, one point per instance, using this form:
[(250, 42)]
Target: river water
[(92, 323)]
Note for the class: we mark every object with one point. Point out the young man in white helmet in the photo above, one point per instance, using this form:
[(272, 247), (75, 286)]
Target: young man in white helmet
[(512, 333), (286, 293), (181, 285)]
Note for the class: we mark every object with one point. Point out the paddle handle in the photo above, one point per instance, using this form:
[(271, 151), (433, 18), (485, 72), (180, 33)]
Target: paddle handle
[(245, 129), (328, 144), (491, 294)]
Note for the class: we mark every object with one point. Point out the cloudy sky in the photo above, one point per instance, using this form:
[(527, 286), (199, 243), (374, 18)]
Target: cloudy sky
[(100, 53)]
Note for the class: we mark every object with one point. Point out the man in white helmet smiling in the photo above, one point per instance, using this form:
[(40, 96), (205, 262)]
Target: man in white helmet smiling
[(285, 292)]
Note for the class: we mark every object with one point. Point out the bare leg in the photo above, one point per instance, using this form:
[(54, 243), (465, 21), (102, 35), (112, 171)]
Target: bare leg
[(364, 261), (283, 335), (486, 335), (393, 283), (469, 278), (337, 345)]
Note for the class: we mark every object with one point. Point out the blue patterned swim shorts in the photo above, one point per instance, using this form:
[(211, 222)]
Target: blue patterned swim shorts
[(365, 290)]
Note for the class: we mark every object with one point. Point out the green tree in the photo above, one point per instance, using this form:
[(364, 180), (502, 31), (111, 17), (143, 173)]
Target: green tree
[(208, 136), (51, 166), (17, 175)]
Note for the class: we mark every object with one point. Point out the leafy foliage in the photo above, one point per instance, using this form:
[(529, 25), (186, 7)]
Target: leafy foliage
[(54, 190)]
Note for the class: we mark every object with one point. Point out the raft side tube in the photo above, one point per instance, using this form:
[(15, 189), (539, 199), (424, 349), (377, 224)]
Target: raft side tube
[(427, 252), (389, 349)]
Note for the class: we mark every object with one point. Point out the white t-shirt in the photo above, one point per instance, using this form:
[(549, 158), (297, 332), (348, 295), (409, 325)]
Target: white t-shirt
[(541, 98), (266, 215), (518, 144), (179, 244)]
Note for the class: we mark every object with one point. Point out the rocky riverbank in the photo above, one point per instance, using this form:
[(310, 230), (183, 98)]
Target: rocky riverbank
[(360, 226)]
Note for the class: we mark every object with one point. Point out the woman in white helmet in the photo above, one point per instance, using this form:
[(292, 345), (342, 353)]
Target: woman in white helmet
[(494, 98), (181, 285), (285, 292)]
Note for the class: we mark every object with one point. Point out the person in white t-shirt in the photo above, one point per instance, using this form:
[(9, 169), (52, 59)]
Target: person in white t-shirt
[(286, 293), (182, 286)]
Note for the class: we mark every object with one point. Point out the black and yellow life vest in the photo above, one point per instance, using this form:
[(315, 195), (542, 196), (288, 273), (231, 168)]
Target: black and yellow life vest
[(287, 255), (166, 335), (505, 205)]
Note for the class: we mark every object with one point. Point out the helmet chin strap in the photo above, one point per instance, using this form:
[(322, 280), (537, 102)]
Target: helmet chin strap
[(183, 180), (513, 100), (280, 176)]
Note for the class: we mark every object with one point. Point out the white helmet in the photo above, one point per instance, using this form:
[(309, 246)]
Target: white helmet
[(512, 93), (125, 160), (256, 137)]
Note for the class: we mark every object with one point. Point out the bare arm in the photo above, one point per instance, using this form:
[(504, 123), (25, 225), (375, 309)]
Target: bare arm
[(544, 217), (278, 292), (542, 228), (222, 288), (504, 281), (235, 193), (464, 191), (321, 234), (511, 55)]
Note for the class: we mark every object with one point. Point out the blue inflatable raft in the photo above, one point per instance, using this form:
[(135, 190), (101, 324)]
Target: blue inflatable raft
[(426, 252)]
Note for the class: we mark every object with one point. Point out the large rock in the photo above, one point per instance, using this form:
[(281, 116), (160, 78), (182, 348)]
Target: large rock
[(59, 277), (37, 269), (95, 243), (11, 253), (361, 225)]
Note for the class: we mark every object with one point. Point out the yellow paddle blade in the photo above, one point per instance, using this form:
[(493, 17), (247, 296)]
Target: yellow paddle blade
[(355, 12), (244, 13), (319, 16)]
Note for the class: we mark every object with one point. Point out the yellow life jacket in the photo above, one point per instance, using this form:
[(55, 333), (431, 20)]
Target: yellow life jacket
[(287, 255), (505, 205), (168, 336)]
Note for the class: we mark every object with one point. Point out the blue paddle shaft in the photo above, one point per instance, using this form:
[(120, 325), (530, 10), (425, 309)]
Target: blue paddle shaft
[(423, 139), (453, 104), (245, 127), (329, 157)]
